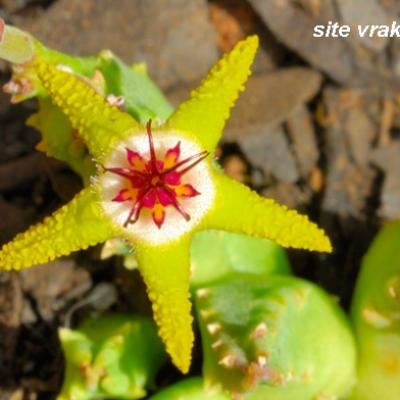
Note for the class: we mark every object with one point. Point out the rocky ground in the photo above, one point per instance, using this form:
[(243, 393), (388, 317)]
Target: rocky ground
[(318, 129)]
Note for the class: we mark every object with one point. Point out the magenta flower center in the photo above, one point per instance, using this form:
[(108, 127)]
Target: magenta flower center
[(156, 184)]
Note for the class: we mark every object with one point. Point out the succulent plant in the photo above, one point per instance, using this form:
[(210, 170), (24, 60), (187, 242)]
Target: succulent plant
[(217, 255), (151, 183), (112, 356), (376, 318), (276, 338)]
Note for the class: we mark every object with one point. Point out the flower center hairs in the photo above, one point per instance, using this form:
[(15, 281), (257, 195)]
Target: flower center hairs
[(157, 187)]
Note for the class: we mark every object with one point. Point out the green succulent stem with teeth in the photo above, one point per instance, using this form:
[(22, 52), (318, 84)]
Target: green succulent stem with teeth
[(114, 356), (375, 313), (105, 128), (282, 338)]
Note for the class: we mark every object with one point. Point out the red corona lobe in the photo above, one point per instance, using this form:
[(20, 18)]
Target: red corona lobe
[(156, 184)]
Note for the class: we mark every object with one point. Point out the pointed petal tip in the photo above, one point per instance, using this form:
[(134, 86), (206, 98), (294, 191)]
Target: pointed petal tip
[(246, 49), (178, 346), (326, 245), (75, 226), (204, 114), (301, 233), (321, 242), (182, 361), (262, 217), (167, 284), (251, 42)]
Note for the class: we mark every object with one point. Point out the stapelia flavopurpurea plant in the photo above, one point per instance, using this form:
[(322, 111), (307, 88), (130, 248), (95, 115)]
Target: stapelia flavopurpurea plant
[(113, 356), (265, 333), (155, 186), (229, 254), (375, 313), (277, 338)]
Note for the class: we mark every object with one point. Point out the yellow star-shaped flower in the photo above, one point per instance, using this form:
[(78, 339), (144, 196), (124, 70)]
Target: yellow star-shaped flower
[(155, 187)]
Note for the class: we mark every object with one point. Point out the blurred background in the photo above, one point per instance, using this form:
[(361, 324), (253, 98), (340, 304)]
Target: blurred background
[(318, 129)]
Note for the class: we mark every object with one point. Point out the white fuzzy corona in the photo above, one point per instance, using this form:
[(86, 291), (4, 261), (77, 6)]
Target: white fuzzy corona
[(144, 229)]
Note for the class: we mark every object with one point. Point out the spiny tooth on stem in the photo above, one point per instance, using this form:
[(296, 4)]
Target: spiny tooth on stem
[(259, 331), (237, 396), (393, 287), (217, 344), (262, 360), (376, 318), (229, 361), (206, 314), (289, 376), (214, 328), (254, 373), (203, 293)]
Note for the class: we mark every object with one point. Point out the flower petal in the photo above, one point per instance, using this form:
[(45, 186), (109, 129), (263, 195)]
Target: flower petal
[(124, 195), (172, 156), (136, 160), (208, 107), (239, 209), (165, 270), (185, 191), (98, 123), (172, 178), (165, 197), (158, 214), (149, 199), (76, 226), (150, 167)]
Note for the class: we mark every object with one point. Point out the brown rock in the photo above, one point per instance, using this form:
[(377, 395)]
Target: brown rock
[(347, 184), (236, 168), (49, 283), (325, 10), (302, 135), (269, 99), (364, 12), (268, 148), (388, 160), (10, 318), (20, 171), (12, 221), (233, 20), (174, 38), (294, 28), (361, 132), (288, 194)]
